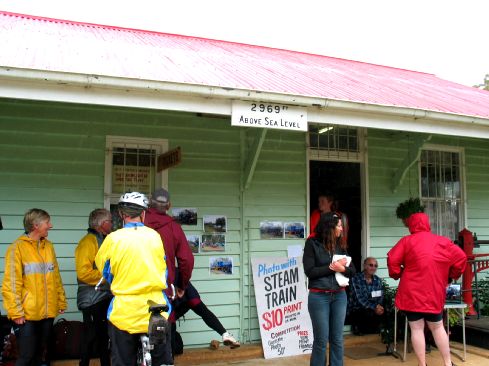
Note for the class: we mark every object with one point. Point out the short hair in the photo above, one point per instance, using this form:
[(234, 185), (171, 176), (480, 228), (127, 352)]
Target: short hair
[(328, 194), (331, 197), (366, 259), (33, 217), (162, 207), (98, 216), (130, 211)]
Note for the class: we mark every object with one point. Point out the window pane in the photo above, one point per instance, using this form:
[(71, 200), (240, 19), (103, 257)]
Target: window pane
[(133, 169), (440, 191), (444, 217), (334, 141)]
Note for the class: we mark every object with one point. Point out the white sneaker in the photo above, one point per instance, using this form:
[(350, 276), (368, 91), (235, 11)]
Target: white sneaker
[(229, 340)]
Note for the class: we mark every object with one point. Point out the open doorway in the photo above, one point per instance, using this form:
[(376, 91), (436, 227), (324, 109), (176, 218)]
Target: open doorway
[(343, 179)]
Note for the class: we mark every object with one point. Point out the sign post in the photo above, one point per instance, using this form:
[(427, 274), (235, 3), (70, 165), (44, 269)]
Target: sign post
[(169, 159), (281, 302)]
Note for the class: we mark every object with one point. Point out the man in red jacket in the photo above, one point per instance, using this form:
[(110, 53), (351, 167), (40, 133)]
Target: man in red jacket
[(176, 250), (174, 241), (424, 262)]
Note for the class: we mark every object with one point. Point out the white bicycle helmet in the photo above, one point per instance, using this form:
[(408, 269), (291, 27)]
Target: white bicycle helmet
[(134, 199)]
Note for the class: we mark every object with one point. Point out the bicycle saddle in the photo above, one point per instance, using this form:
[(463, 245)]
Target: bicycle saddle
[(155, 308)]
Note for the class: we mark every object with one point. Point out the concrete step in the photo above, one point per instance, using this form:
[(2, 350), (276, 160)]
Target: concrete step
[(199, 356)]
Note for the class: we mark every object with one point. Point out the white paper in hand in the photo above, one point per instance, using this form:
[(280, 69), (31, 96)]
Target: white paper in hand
[(340, 278)]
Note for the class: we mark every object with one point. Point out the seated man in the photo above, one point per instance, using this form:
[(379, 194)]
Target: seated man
[(366, 299)]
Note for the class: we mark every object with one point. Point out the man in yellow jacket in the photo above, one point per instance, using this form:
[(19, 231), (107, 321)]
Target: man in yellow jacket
[(132, 261), (32, 290), (92, 303)]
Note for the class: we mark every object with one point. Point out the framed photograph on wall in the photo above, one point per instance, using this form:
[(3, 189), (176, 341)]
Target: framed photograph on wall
[(193, 242), (185, 216), (213, 243), (271, 230), (214, 224), (294, 230), (221, 265)]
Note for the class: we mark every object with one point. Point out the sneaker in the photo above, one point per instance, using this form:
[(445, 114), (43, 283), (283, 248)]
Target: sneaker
[(229, 340)]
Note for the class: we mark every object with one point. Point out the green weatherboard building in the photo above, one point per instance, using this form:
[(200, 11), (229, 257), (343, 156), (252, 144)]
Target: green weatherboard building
[(86, 110)]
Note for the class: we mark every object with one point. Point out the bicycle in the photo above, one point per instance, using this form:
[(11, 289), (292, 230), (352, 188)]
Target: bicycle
[(158, 327), (158, 331)]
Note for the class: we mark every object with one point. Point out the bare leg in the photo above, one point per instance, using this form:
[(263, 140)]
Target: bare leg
[(441, 340), (418, 341)]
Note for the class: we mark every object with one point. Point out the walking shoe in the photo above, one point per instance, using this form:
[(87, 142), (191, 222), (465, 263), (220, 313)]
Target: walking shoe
[(229, 340)]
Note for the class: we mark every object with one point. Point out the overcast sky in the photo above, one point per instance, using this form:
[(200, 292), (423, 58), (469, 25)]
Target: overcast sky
[(447, 38)]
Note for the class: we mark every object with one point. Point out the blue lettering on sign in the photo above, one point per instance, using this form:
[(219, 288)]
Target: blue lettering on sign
[(264, 269)]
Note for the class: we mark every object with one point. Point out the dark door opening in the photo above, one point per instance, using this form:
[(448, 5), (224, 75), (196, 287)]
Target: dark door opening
[(343, 179)]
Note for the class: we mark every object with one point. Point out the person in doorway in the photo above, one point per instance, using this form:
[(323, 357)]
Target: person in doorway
[(132, 261), (93, 303), (327, 203), (327, 300), (191, 301), (32, 290), (366, 299), (424, 262)]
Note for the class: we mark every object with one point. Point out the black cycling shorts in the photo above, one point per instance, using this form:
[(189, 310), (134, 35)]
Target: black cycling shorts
[(430, 317)]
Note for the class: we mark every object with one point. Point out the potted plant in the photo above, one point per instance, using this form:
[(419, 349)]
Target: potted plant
[(407, 208)]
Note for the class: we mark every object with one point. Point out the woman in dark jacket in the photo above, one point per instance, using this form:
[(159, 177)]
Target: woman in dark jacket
[(327, 299)]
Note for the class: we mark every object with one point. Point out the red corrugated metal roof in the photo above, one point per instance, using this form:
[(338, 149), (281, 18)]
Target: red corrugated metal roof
[(58, 45)]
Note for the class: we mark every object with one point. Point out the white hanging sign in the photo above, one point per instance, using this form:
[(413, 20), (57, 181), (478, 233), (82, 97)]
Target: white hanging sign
[(268, 115)]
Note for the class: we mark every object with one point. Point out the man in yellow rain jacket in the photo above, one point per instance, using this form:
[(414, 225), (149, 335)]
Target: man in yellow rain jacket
[(132, 260), (32, 290), (92, 303)]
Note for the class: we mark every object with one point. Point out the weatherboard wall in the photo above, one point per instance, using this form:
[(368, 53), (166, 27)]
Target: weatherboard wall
[(386, 152), (52, 156)]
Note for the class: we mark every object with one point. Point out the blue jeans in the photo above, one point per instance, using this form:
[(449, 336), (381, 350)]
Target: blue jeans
[(327, 311), (33, 341)]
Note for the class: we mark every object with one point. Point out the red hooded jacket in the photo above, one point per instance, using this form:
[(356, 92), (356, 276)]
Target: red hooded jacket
[(176, 247), (424, 261)]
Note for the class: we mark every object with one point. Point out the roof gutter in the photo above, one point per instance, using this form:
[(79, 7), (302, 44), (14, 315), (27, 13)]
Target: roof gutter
[(225, 93)]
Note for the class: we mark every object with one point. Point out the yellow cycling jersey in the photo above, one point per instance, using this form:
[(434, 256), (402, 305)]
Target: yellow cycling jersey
[(132, 260), (32, 286)]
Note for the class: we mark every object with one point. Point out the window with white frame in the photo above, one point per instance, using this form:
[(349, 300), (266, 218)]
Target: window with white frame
[(334, 142), (441, 190), (130, 165)]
